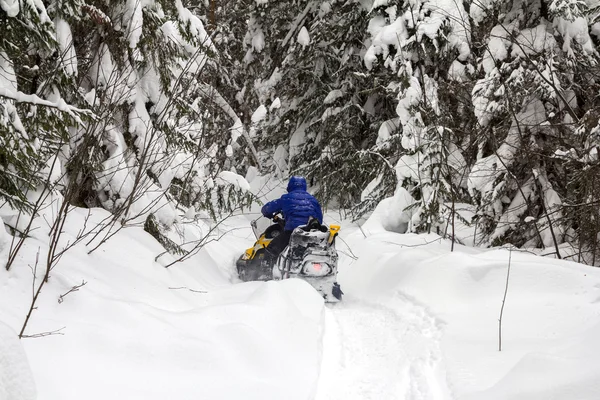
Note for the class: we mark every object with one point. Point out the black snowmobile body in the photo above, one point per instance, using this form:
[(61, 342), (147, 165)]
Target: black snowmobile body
[(252, 265)]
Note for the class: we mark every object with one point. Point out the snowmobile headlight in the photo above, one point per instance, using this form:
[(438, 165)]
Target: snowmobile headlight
[(313, 268)]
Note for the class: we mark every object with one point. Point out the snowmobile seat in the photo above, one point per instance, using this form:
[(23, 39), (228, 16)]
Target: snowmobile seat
[(314, 224)]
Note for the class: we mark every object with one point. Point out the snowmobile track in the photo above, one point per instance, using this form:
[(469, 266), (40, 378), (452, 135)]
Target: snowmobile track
[(376, 351)]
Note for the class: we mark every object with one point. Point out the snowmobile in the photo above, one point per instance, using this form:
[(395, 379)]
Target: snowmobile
[(310, 255)]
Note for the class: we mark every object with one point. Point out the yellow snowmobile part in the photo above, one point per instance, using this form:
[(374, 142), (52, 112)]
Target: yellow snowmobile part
[(261, 243), (333, 231)]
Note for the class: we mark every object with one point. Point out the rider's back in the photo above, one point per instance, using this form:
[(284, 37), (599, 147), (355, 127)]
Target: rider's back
[(298, 206)]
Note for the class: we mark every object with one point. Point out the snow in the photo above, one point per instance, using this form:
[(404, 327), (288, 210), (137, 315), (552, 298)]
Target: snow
[(389, 35), (407, 167), (577, 30), (293, 27), (258, 40), (280, 158), (4, 241), (368, 191), (324, 9), (60, 104), (8, 78), (333, 96), (457, 71), (267, 87), (533, 41), (236, 130), (137, 328), (485, 171), (65, 42), (383, 36), (452, 13), (16, 380), (195, 26), (303, 37), (447, 305), (259, 114), (8, 88), (11, 7), (417, 321), (234, 179), (275, 104), (496, 50), (391, 214), (297, 141), (387, 130), (379, 3), (134, 19), (102, 69)]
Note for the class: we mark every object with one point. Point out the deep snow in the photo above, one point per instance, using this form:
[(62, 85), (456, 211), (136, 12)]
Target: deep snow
[(417, 322)]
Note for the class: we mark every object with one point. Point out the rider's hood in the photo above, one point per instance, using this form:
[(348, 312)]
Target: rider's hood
[(296, 183)]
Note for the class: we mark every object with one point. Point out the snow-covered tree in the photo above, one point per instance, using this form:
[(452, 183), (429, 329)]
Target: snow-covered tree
[(426, 44), (527, 102), (116, 98), (318, 109), (34, 115)]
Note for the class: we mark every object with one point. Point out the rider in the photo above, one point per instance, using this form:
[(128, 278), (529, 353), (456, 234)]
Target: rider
[(297, 206)]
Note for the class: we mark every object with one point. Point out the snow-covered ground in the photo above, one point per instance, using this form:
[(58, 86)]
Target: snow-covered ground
[(417, 323)]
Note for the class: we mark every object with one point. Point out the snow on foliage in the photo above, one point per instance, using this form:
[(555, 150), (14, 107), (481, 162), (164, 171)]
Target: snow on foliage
[(387, 130), (133, 21), (480, 9), (280, 162), (333, 95), (65, 40), (11, 7), (234, 179), (275, 104), (259, 114), (497, 48), (303, 37), (533, 41)]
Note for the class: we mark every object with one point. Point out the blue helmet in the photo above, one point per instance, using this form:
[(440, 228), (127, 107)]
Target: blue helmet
[(296, 183)]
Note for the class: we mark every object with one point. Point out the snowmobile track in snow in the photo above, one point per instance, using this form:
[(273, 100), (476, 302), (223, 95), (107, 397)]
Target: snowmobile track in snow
[(375, 351)]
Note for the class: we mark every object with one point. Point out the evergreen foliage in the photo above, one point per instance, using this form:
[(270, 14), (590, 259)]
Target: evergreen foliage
[(144, 108)]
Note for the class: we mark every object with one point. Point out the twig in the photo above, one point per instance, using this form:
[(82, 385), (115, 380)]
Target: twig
[(185, 288), (75, 288), (349, 249), (504, 301), (43, 334), (361, 230)]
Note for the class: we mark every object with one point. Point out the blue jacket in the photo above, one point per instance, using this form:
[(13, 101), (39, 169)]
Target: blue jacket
[(297, 206)]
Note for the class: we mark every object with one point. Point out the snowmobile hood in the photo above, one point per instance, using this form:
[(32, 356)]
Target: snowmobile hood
[(296, 183)]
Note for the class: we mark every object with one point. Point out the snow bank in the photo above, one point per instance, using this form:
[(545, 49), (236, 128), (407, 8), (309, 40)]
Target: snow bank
[(417, 320), (391, 214), (550, 322), (16, 381), (139, 330)]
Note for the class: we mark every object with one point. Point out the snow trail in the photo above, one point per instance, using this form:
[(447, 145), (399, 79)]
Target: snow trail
[(376, 351)]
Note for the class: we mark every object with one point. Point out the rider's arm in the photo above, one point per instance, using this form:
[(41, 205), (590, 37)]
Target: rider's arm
[(271, 208)]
